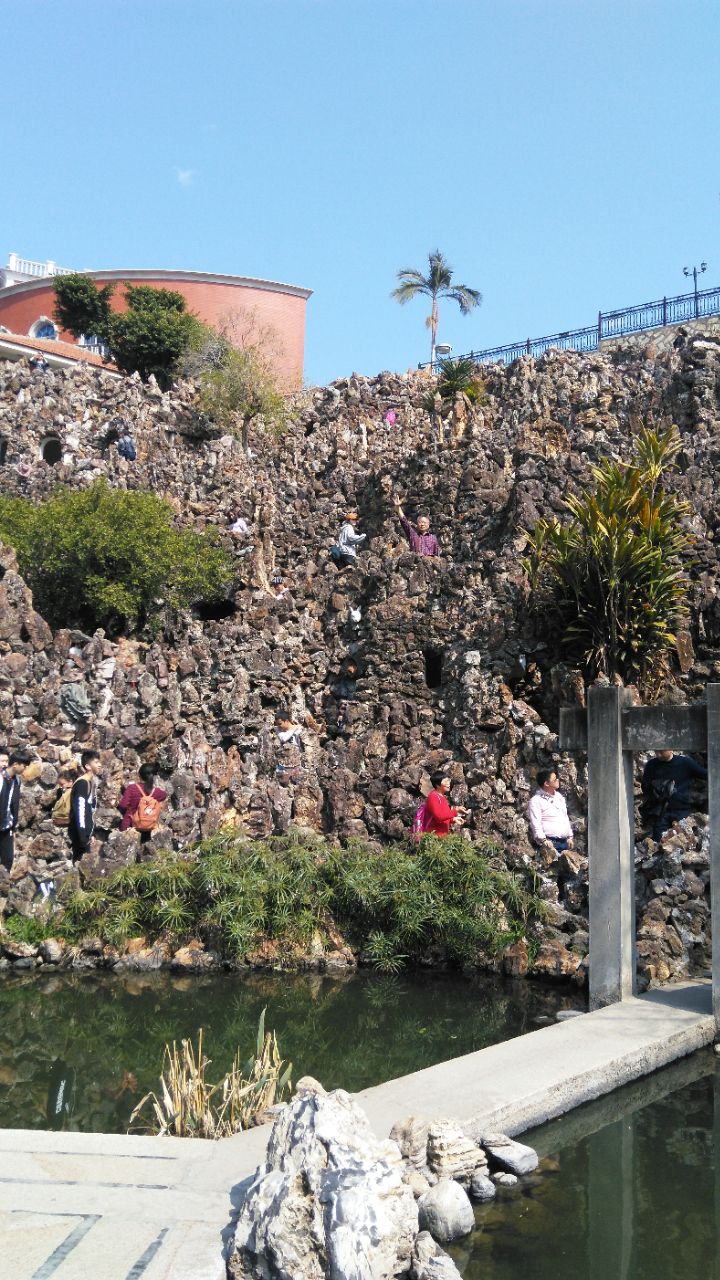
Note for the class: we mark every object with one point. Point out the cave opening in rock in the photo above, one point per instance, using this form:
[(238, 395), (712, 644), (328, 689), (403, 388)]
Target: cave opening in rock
[(51, 450), (214, 610), (3, 450), (433, 668)]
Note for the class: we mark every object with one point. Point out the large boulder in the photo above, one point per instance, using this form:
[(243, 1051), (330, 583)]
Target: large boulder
[(330, 1203), (446, 1212)]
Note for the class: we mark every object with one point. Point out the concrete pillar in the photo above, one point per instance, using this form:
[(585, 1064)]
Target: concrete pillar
[(713, 768), (611, 844)]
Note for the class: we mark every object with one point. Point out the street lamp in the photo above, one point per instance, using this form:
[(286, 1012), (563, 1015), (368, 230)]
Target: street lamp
[(442, 348), (694, 274)]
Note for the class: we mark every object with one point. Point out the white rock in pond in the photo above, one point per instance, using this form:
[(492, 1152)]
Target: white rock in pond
[(446, 1212), (329, 1204), (513, 1157), (481, 1188), (430, 1262), (504, 1179), (564, 1015)]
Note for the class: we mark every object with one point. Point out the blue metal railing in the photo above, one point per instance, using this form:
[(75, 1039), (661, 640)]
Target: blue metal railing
[(610, 324)]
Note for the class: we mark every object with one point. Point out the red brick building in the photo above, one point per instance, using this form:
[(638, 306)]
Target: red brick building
[(27, 303)]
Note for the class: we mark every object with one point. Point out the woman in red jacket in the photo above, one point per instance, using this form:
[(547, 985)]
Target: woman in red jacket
[(439, 815)]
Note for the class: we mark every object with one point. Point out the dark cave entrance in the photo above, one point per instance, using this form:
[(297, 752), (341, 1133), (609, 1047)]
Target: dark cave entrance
[(433, 668), (215, 610)]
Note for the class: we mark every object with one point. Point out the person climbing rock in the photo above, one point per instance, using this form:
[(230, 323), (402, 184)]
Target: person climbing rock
[(12, 775), (141, 803), (83, 803), (422, 541), (344, 553)]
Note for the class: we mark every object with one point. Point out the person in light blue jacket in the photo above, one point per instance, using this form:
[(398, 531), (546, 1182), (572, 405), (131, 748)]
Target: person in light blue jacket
[(344, 552)]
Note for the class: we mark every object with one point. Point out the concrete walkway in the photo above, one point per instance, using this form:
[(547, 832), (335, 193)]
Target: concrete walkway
[(102, 1207)]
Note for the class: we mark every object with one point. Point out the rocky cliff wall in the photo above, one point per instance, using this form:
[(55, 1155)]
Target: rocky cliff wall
[(452, 672)]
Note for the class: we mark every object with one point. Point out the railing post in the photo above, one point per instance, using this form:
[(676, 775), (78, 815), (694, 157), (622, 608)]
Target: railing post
[(528, 347), (599, 327), (664, 310)]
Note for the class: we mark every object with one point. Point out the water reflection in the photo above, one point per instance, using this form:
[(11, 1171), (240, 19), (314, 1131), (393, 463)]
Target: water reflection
[(78, 1051), (627, 1189)]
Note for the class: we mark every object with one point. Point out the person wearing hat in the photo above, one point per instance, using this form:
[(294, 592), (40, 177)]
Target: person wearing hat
[(279, 589), (344, 553)]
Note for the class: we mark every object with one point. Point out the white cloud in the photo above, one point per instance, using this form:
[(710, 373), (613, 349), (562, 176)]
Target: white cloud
[(185, 177)]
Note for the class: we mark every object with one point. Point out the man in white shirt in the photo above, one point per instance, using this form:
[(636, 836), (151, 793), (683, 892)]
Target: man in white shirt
[(548, 815)]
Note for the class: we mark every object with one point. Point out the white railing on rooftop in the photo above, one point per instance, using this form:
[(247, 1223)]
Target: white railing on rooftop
[(28, 267)]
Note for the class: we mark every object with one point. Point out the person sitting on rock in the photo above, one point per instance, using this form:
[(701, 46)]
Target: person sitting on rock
[(290, 738), (422, 541), (278, 588), (83, 803), (344, 553), (440, 817), (10, 782), (665, 786), (548, 815), (143, 817), (240, 529)]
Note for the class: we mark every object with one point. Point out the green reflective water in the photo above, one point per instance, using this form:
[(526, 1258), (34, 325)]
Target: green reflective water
[(628, 1189), (79, 1051)]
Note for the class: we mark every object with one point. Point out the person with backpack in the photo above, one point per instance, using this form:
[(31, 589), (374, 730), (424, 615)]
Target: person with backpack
[(60, 812), (83, 803), (436, 817), (10, 781), (141, 803), (126, 447), (344, 553)]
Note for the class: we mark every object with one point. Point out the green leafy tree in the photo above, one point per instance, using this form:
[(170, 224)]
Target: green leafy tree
[(150, 337), (105, 557), (153, 334), (435, 285), (81, 307), (610, 581)]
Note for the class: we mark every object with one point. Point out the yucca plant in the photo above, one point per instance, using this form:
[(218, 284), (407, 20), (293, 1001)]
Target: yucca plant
[(613, 575)]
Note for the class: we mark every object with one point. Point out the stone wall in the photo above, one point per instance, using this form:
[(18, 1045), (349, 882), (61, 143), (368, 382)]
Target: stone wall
[(453, 672)]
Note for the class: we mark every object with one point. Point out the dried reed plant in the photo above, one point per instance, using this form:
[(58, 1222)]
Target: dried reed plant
[(189, 1106)]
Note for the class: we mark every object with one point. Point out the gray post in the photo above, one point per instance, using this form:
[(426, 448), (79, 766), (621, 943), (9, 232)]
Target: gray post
[(713, 768), (611, 861)]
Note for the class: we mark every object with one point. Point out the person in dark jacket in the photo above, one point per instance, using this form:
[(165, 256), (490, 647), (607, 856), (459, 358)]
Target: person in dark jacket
[(133, 794), (665, 786), (83, 803), (11, 776)]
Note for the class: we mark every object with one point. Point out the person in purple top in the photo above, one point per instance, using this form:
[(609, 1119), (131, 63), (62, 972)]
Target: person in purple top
[(422, 541)]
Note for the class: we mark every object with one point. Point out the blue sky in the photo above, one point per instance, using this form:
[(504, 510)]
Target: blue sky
[(561, 153)]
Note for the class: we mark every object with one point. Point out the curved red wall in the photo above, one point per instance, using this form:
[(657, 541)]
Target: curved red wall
[(272, 309)]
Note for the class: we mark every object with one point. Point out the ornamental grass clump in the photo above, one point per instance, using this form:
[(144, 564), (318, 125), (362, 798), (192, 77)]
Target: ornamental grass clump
[(189, 1106)]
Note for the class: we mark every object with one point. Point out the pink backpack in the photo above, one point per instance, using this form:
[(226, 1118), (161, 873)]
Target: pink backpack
[(420, 822)]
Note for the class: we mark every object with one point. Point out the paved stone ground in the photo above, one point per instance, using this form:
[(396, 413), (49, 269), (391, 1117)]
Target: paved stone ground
[(108, 1207)]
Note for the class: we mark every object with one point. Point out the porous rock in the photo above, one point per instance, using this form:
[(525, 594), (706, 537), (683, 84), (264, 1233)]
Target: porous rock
[(328, 1204), (450, 1154)]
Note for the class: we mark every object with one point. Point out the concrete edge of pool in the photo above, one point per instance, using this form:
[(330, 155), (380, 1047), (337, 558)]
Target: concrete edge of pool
[(159, 1208)]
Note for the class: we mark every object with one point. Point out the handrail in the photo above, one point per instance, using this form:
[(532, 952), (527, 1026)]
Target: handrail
[(610, 324)]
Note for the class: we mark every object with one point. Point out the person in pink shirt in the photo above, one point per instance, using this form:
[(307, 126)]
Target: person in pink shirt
[(548, 815), (440, 816)]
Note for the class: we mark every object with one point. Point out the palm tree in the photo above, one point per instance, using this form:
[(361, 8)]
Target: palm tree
[(437, 284)]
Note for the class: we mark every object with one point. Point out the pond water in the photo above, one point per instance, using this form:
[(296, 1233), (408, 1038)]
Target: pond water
[(628, 1188), (79, 1051)]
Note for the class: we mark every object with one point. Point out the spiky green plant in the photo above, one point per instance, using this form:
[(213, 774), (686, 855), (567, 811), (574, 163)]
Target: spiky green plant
[(611, 578)]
